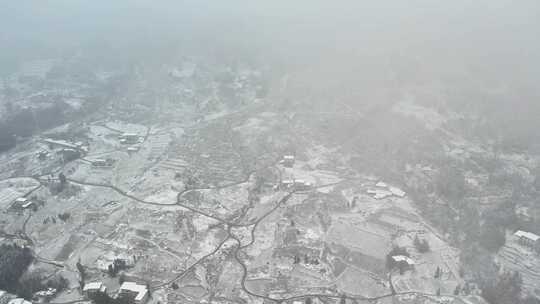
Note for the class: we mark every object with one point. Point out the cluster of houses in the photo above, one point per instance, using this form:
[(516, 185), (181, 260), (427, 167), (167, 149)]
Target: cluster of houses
[(136, 292)]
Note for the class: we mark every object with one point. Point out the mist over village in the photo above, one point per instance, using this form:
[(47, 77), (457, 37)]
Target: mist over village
[(260, 152)]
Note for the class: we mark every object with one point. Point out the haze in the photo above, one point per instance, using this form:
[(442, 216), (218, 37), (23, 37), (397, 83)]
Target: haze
[(270, 151)]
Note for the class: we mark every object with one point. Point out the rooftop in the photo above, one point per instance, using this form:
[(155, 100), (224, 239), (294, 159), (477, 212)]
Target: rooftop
[(528, 235), (402, 258), (93, 286), (134, 287), (19, 301)]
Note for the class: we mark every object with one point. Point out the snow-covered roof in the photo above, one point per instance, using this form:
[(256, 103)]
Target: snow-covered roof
[(46, 293), (27, 204), (134, 287), (92, 286), (379, 194), (381, 184), (397, 192), (21, 200), (529, 235), (288, 157), (402, 258), (19, 301)]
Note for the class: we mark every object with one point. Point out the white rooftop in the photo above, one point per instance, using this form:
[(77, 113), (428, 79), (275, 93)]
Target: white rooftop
[(19, 301), (379, 194), (21, 200), (529, 235), (402, 258), (93, 286), (134, 287), (288, 157), (381, 184), (397, 192), (27, 204), (45, 293)]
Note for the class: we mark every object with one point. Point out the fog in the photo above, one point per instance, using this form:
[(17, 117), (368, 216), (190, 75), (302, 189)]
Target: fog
[(500, 36), (270, 151)]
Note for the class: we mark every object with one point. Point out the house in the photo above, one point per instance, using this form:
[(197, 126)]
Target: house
[(288, 161), (139, 293), (129, 138), (69, 154), (397, 192), (61, 143), (22, 203), (301, 184), (91, 289), (99, 163), (379, 193), (287, 183), (404, 259), (4, 297), (133, 149), (27, 204), (42, 155), (102, 162), (19, 301), (44, 295), (381, 185), (528, 239)]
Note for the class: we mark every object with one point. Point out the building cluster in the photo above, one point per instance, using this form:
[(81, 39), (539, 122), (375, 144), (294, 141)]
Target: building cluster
[(136, 292)]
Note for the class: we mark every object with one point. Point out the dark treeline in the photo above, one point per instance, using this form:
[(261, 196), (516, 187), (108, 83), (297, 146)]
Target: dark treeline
[(14, 260)]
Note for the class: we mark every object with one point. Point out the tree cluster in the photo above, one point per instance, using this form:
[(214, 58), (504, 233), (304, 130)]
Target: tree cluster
[(14, 261), (117, 266), (392, 264), (506, 288), (104, 298), (421, 245)]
